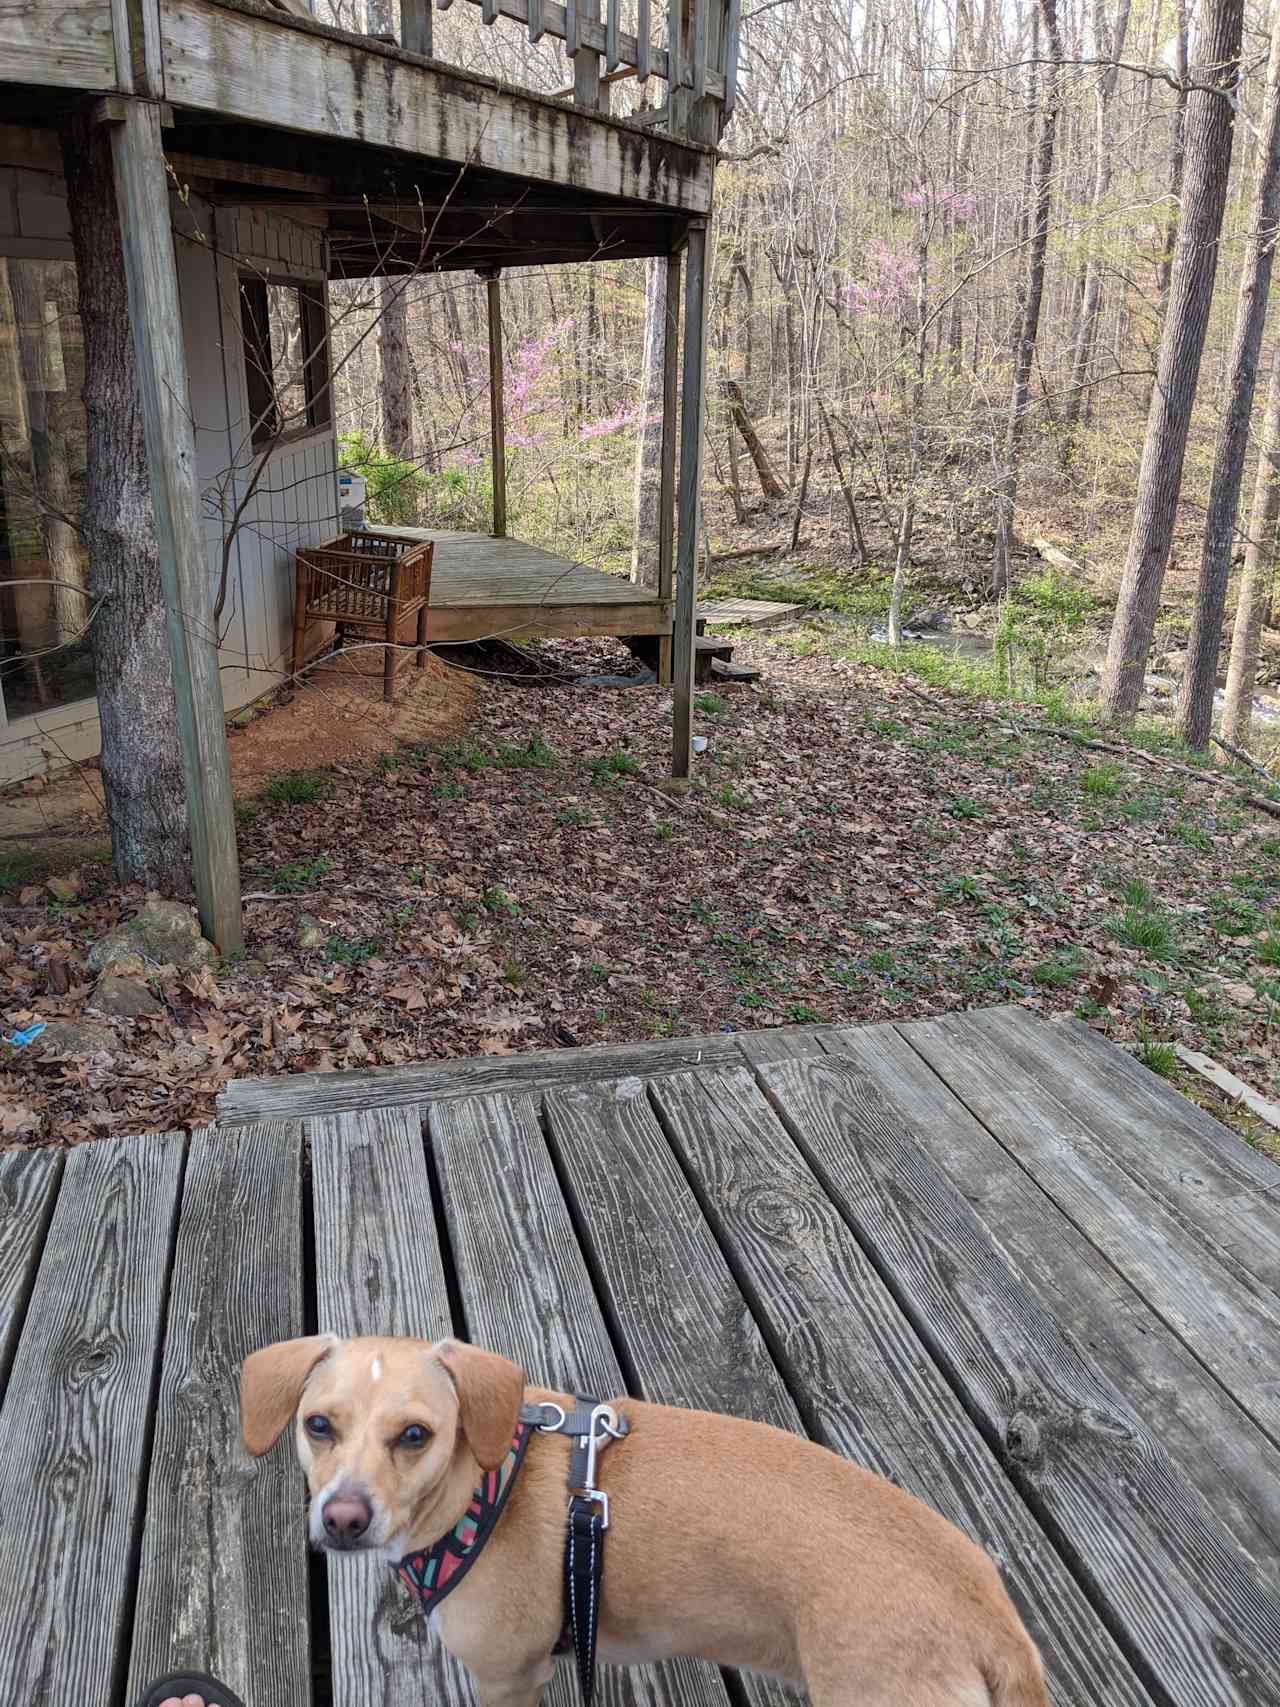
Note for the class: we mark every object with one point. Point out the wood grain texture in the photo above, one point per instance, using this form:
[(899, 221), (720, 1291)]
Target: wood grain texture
[(238, 62), (1212, 1442), (74, 1427), (67, 46), (527, 1294), (689, 1333), (867, 1386), (1189, 1607), (379, 1271), (28, 1188), (1159, 1221), (223, 1577), (386, 1087)]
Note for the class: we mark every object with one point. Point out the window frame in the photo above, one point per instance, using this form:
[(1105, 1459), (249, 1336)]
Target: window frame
[(259, 367)]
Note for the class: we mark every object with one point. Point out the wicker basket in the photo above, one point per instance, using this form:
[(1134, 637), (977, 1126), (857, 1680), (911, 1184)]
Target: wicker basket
[(366, 583)]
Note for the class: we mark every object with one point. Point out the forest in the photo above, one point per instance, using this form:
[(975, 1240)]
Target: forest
[(960, 252)]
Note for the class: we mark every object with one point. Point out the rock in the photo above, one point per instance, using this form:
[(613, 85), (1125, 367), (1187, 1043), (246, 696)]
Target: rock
[(932, 621), (76, 1037), (1171, 663), (309, 932), (129, 998), (161, 933)]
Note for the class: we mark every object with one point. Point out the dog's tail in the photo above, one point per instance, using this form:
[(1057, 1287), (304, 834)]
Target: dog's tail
[(1016, 1678)]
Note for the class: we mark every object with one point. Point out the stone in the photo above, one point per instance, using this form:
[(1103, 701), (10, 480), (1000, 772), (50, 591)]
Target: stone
[(76, 1037), (128, 998), (309, 932), (161, 933)]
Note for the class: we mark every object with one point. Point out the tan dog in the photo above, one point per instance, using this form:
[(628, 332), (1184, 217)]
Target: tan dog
[(729, 1541)]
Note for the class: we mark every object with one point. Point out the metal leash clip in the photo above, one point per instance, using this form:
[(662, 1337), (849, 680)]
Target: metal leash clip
[(603, 1426)]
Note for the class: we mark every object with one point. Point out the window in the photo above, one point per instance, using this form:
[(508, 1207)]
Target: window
[(45, 655), (286, 358)]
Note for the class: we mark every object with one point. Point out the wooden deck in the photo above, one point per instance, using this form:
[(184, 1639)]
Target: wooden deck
[(992, 1258), (485, 588)]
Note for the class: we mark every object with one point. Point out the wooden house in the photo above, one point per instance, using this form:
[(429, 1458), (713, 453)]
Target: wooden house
[(258, 155)]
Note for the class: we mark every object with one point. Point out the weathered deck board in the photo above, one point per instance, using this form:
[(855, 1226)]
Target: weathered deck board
[(379, 1270), (389, 1087), (1227, 1318), (689, 1334), (1188, 1606), (868, 1387), (1211, 1441), (75, 1422), (1200, 1170), (223, 1575), (28, 1189), (503, 1202)]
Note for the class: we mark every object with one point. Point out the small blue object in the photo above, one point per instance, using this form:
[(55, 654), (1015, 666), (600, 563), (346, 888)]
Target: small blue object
[(20, 1039)]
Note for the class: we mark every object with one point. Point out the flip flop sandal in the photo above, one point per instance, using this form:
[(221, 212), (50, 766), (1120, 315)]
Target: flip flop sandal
[(180, 1683)]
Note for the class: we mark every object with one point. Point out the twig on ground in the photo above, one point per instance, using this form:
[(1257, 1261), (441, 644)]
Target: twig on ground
[(1244, 758)]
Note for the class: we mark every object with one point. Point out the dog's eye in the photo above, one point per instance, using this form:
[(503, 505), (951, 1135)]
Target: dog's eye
[(414, 1436), (319, 1428)]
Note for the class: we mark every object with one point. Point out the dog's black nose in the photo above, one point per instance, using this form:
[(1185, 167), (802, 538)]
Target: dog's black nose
[(346, 1517)]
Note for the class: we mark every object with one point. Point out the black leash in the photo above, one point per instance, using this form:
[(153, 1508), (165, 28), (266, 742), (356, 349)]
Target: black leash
[(590, 1426)]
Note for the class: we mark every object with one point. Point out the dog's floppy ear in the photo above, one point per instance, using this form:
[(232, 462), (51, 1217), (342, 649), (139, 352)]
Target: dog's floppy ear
[(490, 1392), (271, 1383)]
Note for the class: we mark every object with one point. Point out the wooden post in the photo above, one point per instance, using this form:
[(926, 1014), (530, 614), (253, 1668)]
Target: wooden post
[(667, 456), (587, 90), (695, 345), (415, 26), (497, 422), (142, 195)]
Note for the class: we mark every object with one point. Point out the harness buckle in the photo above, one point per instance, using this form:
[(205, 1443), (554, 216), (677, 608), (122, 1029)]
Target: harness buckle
[(597, 1496), (602, 1426), (558, 1424)]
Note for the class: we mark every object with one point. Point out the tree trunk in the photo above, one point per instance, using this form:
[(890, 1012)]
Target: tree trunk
[(140, 759), (648, 475), (1209, 130), (397, 369), (770, 485), (906, 525), (1086, 327), (1177, 157), (1195, 706), (1259, 569), (1006, 492)]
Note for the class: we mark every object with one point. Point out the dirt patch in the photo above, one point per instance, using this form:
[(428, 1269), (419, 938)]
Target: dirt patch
[(337, 718)]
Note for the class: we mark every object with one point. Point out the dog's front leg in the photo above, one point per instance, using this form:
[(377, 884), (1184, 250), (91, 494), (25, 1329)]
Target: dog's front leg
[(522, 1688)]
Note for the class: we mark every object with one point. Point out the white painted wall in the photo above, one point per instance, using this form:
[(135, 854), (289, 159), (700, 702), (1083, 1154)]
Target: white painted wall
[(295, 499)]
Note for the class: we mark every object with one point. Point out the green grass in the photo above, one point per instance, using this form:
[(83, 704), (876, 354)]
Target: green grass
[(960, 806), (1137, 892), (465, 755), (1160, 1058), (1192, 836), (955, 889), (1234, 918), (535, 755), (1058, 970), (15, 868), (350, 951), (574, 817), (612, 766), (1148, 931), (711, 704), (300, 875), (729, 797), (1268, 951), (664, 830), (514, 974), (496, 900), (298, 788), (1103, 781)]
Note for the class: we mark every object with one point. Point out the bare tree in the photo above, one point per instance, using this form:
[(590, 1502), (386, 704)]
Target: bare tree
[(1259, 572), (1210, 128), (140, 759), (1006, 486), (1195, 707), (397, 369)]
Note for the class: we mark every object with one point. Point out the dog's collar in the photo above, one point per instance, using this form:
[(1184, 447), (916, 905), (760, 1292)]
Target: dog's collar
[(437, 1570)]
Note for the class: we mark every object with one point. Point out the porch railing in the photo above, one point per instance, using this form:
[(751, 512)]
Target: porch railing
[(696, 54)]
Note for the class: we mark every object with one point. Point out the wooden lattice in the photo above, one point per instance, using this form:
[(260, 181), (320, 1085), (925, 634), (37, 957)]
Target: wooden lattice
[(366, 583)]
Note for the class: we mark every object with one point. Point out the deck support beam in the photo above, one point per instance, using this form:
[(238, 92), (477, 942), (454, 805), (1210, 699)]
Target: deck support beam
[(695, 347), (497, 406), (667, 455), (142, 195)]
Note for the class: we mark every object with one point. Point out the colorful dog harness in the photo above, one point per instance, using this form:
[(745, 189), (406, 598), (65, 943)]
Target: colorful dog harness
[(435, 1572)]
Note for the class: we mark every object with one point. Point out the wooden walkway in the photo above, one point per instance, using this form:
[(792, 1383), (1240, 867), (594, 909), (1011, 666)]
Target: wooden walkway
[(992, 1258)]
